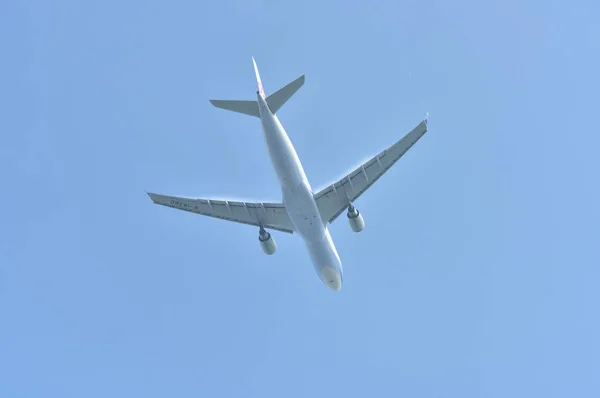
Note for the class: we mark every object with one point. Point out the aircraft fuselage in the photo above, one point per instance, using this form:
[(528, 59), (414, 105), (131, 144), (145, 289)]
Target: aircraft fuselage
[(298, 199)]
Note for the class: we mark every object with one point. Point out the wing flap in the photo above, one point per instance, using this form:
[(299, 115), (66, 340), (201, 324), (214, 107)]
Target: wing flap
[(335, 198), (269, 215)]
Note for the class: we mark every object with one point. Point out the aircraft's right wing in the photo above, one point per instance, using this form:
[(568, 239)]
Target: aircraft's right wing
[(269, 215), (334, 199)]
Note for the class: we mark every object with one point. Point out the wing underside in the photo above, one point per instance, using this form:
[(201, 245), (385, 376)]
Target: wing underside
[(268, 215), (336, 198)]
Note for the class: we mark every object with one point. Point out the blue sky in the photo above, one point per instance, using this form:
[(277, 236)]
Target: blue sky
[(477, 274)]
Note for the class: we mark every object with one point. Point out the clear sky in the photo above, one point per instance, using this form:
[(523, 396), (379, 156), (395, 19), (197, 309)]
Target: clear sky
[(477, 274)]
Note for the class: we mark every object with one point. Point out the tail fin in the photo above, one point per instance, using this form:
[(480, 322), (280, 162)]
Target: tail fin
[(275, 100), (261, 90)]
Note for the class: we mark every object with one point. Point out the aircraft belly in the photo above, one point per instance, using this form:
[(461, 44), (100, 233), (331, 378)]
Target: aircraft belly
[(326, 261), (303, 212)]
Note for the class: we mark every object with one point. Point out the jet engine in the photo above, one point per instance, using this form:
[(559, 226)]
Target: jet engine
[(267, 243), (355, 219)]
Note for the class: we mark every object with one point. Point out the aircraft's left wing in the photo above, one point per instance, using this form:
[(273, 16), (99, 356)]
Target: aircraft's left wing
[(269, 215), (334, 199)]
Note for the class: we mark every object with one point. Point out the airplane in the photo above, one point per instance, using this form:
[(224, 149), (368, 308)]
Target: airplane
[(301, 211)]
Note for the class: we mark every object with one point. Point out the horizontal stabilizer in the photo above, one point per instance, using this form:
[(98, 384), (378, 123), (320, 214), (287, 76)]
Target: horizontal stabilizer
[(280, 97), (245, 107), (275, 101)]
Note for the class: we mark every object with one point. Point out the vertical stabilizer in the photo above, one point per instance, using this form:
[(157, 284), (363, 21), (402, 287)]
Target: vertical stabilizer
[(275, 101), (261, 90)]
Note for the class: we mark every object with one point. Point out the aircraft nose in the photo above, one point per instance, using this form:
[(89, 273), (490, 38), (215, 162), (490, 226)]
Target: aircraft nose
[(332, 278)]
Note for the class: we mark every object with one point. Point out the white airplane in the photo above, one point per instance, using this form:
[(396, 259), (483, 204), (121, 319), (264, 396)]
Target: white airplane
[(301, 211)]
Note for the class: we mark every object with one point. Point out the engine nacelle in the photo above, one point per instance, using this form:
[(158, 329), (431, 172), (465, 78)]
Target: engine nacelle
[(357, 223), (267, 243)]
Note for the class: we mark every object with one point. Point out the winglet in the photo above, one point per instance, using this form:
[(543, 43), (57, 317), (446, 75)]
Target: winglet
[(260, 86), (426, 117), (152, 196)]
